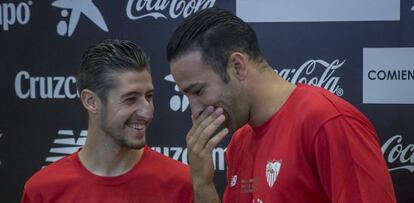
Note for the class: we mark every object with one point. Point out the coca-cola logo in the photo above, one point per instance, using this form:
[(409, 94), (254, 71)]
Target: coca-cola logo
[(137, 9), (395, 152), (317, 73), (313, 72)]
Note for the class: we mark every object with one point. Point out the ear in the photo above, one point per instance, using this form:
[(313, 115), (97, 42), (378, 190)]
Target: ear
[(238, 65), (90, 101)]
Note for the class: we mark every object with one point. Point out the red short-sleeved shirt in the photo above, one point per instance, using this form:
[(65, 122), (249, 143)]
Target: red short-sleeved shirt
[(317, 148), (155, 178)]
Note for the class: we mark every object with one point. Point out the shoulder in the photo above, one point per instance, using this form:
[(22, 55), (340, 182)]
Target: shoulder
[(241, 134), (309, 109), (318, 105), (172, 177), (166, 165), (239, 139), (317, 99), (165, 159), (52, 174)]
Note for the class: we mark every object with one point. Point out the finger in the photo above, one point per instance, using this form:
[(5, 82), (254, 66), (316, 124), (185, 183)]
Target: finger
[(206, 112), (193, 131), (208, 132), (210, 118), (189, 136), (213, 142), (200, 127)]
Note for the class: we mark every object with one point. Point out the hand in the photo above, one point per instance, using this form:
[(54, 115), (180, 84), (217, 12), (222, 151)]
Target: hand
[(201, 142)]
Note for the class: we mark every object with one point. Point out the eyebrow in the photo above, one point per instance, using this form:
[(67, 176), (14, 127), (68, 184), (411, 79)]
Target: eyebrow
[(129, 94), (135, 93)]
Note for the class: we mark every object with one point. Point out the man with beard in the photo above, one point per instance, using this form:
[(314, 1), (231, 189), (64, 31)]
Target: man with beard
[(291, 143), (114, 165)]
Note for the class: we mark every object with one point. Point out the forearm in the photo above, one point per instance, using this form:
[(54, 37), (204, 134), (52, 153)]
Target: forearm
[(205, 193), (200, 143)]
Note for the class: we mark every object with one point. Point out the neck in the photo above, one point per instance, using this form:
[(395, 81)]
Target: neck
[(268, 94), (102, 156)]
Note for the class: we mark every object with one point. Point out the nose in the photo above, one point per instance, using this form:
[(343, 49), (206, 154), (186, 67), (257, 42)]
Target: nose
[(196, 107), (145, 109)]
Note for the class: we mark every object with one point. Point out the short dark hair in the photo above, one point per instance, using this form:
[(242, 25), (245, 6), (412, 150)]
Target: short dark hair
[(216, 33), (101, 61)]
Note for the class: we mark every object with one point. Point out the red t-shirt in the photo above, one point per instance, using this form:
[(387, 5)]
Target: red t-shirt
[(317, 148), (155, 178)]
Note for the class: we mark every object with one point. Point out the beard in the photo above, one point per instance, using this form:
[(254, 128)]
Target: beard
[(236, 117), (119, 134), (125, 143)]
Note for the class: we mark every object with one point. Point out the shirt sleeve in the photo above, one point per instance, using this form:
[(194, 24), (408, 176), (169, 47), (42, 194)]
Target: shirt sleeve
[(350, 163), (25, 197), (226, 158)]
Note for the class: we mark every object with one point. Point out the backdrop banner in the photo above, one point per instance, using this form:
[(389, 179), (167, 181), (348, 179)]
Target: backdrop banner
[(362, 51)]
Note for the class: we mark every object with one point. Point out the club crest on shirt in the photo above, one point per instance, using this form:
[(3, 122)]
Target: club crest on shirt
[(272, 171)]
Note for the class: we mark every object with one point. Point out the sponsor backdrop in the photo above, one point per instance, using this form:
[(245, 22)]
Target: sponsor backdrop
[(362, 51)]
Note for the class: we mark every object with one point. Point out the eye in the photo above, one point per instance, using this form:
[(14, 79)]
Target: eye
[(198, 91), (130, 100), (149, 97)]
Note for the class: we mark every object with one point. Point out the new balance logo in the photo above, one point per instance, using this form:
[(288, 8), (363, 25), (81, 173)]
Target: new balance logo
[(66, 143), (77, 7)]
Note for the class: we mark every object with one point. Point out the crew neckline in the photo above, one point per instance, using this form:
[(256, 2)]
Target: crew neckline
[(262, 128), (109, 180)]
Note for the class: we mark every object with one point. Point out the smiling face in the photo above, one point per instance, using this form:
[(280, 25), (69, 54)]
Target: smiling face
[(128, 109), (204, 88)]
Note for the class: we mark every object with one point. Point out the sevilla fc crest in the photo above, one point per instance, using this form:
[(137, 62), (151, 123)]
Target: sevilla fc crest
[(272, 171)]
